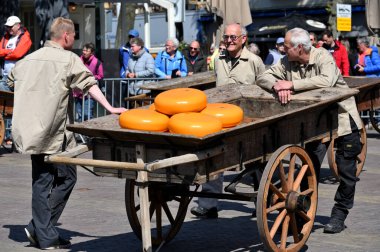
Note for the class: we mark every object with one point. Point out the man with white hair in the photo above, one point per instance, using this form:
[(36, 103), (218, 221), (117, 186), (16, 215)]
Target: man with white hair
[(170, 63), (238, 65), (304, 68)]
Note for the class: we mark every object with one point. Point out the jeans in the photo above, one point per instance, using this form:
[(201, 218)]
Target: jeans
[(51, 188), (3, 84), (88, 109)]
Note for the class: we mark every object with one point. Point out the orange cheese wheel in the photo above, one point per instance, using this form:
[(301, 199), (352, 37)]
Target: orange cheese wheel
[(144, 119), (195, 124), (152, 107), (230, 115), (180, 100)]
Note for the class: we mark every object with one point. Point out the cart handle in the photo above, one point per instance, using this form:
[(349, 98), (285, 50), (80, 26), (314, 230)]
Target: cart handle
[(69, 157)]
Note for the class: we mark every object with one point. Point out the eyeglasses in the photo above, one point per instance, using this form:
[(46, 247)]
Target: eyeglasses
[(194, 48), (232, 37)]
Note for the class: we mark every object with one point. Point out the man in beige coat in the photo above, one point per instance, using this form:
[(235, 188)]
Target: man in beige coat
[(304, 68), (42, 83), (237, 66)]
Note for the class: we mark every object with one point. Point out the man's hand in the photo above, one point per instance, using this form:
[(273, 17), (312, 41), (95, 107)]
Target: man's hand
[(190, 73), (284, 91), (282, 85), (284, 96), (114, 110), (131, 75)]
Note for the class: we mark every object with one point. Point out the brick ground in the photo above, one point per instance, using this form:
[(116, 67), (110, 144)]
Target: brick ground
[(95, 218)]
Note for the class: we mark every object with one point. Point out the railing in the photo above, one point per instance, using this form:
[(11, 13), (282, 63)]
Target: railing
[(117, 92)]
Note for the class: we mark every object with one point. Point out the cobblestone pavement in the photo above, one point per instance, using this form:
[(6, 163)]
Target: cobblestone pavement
[(95, 218)]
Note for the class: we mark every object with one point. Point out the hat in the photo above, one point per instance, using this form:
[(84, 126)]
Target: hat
[(133, 33), (280, 40), (12, 20)]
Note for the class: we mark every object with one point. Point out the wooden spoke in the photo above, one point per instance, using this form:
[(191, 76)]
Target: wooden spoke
[(271, 198), (299, 178), (277, 223), (168, 213), (275, 207), (159, 222), (284, 232), (152, 208), (292, 166), (284, 185), (307, 192), (293, 226), (303, 215), (276, 191)]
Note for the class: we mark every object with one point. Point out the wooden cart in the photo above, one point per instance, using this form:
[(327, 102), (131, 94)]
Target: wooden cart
[(160, 167), (368, 99), (6, 108)]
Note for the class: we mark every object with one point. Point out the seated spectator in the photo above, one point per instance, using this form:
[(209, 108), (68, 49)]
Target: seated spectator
[(170, 63), (195, 61), (140, 65), (96, 67)]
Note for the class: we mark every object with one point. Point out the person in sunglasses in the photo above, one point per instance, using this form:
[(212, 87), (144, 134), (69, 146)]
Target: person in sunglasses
[(195, 60), (238, 65)]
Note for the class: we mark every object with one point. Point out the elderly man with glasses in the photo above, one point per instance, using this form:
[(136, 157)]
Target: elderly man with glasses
[(236, 66), (195, 60)]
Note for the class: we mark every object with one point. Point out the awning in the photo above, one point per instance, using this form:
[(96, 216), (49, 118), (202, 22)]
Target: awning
[(282, 25), (237, 11)]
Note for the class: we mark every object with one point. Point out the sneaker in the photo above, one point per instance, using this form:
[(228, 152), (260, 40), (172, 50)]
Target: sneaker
[(61, 244), (201, 212), (32, 239), (334, 226)]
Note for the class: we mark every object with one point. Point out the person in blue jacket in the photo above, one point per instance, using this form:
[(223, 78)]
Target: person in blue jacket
[(170, 63), (368, 62), (125, 52)]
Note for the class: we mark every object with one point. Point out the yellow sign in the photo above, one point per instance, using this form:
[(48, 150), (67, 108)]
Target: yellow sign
[(343, 24)]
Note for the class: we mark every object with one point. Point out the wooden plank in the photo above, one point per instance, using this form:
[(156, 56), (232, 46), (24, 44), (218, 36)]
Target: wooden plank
[(142, 182)]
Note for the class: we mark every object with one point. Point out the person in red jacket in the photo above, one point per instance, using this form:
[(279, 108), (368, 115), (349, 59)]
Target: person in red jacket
[(13, 46), (338, 51)]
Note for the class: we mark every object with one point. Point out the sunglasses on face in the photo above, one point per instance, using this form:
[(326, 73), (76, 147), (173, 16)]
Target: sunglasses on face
[(232, 37), (194, 48)]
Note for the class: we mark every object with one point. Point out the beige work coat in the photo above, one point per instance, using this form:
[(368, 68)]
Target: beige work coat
[(320, 72), (244, 71), (42, 98)]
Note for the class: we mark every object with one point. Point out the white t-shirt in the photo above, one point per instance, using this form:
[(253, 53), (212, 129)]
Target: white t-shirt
[(9, 64)]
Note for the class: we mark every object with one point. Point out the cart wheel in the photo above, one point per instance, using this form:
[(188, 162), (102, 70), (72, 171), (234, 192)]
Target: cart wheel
[(360, 158), (372, 119), (2, 129), (286, 207), (168, 207)]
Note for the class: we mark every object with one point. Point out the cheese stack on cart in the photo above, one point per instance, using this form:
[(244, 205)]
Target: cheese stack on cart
[(183, 111)]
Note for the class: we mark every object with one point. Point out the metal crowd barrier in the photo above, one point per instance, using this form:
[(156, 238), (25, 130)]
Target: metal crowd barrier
[(117, 93)]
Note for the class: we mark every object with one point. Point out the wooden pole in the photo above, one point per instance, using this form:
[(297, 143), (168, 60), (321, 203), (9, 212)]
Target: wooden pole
[(142, 182)]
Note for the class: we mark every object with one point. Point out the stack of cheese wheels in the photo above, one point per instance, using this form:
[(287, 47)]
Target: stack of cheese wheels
[(180, 100), (144, 119), (195, 124), (230, 115)]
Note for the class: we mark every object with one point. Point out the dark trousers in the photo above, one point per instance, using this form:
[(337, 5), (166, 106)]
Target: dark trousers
[(51, 187), (348, 147)]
